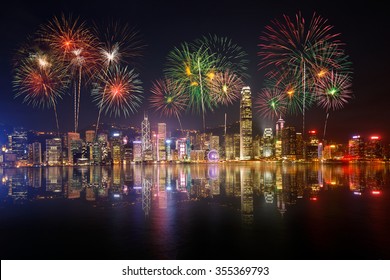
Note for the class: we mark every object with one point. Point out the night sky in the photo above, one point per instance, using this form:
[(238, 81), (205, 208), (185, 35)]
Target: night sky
[(165, 24)]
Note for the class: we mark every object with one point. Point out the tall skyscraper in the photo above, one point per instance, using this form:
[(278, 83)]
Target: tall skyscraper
[(356, 147), (161, 137), (246, 124), (18, 143), (53, 151), (145, 139), (90, 136), (374, 148), (267, 143), (289, 142), (36, 153), (73, 145)]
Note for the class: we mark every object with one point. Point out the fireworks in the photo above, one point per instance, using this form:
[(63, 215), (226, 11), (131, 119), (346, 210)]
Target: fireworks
[(118, 91), (118, 44), (208, 69), (271, 103), (225, 88), (40, 79), (334, 91), (299, 55), (227, 55), (168, 98), (292, 42)]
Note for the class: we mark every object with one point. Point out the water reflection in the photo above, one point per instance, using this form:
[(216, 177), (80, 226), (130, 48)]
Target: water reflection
[(154, 186)]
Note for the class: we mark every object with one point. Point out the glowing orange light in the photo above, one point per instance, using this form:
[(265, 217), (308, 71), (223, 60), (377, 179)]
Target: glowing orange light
[(312, 132), (290, 92), (333, 146), (376, 192), (374, 137), (211, 75), (322, 73), (313, 198), (188, 71)]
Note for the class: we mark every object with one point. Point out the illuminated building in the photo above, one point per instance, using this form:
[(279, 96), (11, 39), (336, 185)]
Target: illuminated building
[(300, 145), (89, 136), (36, 153), (74, 144), (145, 139), (267, 144), (102, 138), (246, 148), (18, 143), (356, 147), (183, 149), (214, 142), (374, 148), (137, 151), (232, 147), (53, 151), (289, 143), (128, 153), (278, 138), (312, 152), (168, 149), (116, 147), (161, 138)]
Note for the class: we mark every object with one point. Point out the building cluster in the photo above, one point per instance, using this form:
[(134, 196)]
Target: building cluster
[(282, 144)]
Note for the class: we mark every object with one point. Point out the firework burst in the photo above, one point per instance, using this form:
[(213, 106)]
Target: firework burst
[(41, 80), (227, 55), (118, 44), (118, 91), (168, 98), (225, 88), (334, 91), (271, 103)]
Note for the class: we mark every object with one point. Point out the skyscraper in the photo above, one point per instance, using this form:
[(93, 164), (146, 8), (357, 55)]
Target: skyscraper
[(18, 143), (36, 153), (53, 151), (246, 124), (74, 144), (161, 137), (145, 139)]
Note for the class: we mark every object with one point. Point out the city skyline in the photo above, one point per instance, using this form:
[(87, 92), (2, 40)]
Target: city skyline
[(367, 109)]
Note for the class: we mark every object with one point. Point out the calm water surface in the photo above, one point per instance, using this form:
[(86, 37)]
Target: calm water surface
[(204, 211)]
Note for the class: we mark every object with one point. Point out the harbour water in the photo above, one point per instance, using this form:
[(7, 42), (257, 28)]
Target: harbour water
[(196, 211)]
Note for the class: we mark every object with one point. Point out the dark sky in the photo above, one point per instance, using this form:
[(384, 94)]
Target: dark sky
[(165, 24)]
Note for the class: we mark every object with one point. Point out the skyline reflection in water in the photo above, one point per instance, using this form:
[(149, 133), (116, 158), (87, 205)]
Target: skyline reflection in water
[(186, 210)]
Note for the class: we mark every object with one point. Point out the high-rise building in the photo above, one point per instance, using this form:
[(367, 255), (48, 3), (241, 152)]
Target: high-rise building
[(145, 139), (137, 151), (356, 147), (53, 151), (116, 147), (161, 137), (289, 142), (312, 145), (246, 149), (36, 153), (18, 143), (374, 148), (267, 143), (278, 138), (74, 146), (90, 136)]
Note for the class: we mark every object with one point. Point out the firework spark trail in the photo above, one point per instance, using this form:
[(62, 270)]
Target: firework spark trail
[(41, 80), (122, 94), (294, 45), (271, 103), (75, 45), (119, 44), (167, 98)]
